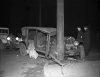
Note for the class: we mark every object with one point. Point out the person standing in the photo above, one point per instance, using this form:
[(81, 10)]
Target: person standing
[(80, 35), (86, 39), (80, 40)]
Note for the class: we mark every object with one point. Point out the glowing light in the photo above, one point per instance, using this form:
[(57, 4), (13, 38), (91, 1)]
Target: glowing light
[(76, 43), (17, 38), (8, 38)]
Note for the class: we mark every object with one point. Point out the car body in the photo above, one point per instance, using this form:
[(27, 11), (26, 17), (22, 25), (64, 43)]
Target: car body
[(45, 40), (4, 32), (7, 40), (41, 36), (13, 41)]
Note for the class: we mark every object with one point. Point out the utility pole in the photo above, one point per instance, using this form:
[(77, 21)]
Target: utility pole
[(40, 14), (60, 29)]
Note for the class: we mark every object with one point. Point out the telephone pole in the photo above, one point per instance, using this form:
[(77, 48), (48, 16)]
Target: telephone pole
[(40, 14), (60, 29)]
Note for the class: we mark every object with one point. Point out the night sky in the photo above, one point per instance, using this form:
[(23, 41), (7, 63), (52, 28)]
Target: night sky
[(18, 13)]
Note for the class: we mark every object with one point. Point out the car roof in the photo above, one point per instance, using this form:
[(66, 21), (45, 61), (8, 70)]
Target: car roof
[(3, 28), (44, 29)]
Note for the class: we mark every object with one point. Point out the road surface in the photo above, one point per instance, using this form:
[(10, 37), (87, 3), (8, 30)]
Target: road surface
[(12, 64)]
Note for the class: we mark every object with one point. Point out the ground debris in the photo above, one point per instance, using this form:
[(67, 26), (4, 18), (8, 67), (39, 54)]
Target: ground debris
[(33, 72), (1, 73), (38, 61)]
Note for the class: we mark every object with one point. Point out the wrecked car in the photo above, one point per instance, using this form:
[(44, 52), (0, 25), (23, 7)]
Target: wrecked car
[(45, 42)]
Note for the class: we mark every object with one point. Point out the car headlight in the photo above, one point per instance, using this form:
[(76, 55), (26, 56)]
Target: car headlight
[(8, 38), (17, 38), (76, 43)]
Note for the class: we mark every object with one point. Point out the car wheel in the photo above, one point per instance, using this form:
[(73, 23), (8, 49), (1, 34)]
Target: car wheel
[(22, 49)]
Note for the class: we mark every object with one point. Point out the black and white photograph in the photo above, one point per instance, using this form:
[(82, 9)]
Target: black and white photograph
[(50, 38)]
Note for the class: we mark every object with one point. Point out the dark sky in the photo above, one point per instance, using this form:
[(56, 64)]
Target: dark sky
[(18, 13)]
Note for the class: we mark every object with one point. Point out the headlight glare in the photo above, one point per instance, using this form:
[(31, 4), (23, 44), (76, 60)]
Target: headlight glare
[(8, 38), (17, 38), (76, 43)]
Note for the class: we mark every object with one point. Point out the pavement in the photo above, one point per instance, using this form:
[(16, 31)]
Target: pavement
[(12, 64)]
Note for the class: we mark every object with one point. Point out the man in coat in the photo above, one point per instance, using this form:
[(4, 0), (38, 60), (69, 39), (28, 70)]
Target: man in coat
[(80, 35), (80, 40), (86, 39)]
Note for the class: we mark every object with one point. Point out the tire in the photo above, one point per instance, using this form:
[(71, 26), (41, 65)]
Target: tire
[(22, 49)]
